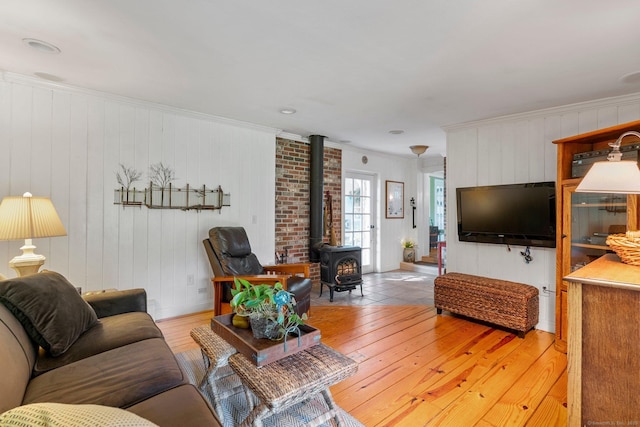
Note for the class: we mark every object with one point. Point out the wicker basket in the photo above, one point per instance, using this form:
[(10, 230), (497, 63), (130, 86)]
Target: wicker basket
[(626, 246)]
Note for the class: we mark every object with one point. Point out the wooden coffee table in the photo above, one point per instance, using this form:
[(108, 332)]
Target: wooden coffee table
[(281, 376)]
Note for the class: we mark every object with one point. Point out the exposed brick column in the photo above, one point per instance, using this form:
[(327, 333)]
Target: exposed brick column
[(292, 198)]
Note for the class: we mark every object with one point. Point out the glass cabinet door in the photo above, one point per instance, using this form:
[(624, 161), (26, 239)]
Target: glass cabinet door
[(593, 217)]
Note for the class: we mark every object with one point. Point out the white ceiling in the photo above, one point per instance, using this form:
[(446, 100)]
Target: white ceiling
[(353, 69)]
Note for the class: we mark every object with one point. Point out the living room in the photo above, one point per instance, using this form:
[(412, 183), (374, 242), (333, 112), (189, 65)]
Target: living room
[(89, 134), (67, 142)]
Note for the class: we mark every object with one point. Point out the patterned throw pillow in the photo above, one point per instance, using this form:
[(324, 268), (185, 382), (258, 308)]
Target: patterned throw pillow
[(65, 415)]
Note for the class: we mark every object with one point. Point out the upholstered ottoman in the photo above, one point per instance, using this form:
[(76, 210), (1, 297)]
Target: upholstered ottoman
[(508, 304)]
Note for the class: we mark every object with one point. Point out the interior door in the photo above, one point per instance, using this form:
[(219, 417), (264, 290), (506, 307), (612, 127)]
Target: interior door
[(359, 229)]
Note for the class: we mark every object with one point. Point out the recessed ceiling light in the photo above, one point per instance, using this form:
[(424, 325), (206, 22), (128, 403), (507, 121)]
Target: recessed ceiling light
[(41, 46), (631, 77), (396, 132), (288, 111)]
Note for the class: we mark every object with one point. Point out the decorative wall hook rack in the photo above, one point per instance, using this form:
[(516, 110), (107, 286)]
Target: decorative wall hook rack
[(170, 197)]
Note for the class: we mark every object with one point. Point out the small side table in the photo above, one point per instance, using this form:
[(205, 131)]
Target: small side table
[(294, 379)]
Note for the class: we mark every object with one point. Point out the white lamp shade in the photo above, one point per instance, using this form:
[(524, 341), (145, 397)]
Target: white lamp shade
[(29, 217), (621, 177)]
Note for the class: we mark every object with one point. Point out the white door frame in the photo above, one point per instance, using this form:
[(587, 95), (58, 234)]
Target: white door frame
[(372, 248)]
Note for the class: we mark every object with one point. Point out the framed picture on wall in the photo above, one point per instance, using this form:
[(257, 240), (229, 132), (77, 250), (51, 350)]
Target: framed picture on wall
[(395, 199)]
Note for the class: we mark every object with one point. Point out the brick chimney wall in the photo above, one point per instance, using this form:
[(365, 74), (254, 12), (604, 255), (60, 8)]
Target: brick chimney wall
[(292, 198)]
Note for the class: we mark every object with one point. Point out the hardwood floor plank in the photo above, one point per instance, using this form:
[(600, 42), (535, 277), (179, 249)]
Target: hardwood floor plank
[(349, 332), (460, 372), (446, 378), (417, 368), (419, 351), (422, 333), (529, 390), (480, 398), (390, 396), (549, 414), (176, 330), (552, 411), (559, 390), (390, 334)]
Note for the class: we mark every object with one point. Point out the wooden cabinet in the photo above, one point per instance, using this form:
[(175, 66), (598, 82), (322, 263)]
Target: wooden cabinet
[(603, 381), (584, 219)]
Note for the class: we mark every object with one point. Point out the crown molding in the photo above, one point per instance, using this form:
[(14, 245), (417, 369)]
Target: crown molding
[(615, 101), (10, 77), (300, 138), (292, 136)]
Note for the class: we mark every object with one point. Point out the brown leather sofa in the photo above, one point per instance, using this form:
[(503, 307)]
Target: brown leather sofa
[(104, 350), (230, 256)]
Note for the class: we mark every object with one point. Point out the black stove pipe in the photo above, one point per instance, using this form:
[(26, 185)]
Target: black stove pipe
[(316, 192)]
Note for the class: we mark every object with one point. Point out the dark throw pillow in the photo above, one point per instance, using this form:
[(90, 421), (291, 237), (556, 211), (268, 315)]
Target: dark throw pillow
[(49, 308)]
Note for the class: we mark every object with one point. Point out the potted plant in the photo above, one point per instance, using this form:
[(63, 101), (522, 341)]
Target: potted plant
[(270, 309), (409, 250)]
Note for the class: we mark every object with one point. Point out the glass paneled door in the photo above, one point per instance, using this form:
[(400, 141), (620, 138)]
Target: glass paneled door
[(358, 216)]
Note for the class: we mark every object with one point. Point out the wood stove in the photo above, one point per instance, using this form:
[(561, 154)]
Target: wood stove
[(340, 269)]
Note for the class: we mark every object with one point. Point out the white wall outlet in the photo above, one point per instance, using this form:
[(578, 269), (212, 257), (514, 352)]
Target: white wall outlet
[(190, 280)]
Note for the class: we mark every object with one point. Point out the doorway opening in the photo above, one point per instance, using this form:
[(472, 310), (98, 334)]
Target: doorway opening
[(359, 216)]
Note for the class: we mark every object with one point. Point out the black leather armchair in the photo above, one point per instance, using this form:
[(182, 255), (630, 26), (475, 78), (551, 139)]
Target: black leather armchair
[(230, 256)]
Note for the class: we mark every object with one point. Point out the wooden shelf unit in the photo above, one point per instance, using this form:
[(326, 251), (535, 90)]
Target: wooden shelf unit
[(603, 382), (568, 244)]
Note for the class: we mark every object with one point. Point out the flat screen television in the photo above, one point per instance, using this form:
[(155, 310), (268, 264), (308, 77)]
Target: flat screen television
[(513, 214)]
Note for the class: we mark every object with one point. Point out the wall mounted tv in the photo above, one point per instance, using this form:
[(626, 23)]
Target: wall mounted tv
[(514, 214)]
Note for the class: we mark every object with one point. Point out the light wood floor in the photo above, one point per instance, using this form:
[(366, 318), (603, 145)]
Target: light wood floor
[(417, 368)]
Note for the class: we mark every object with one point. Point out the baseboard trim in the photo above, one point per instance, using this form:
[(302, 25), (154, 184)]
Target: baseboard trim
[(409, 266)]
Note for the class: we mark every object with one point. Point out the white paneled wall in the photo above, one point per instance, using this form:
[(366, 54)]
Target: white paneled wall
[(518, 149), (67, 144)]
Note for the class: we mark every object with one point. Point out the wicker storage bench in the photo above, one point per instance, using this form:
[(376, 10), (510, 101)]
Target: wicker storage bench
[(500, 302)]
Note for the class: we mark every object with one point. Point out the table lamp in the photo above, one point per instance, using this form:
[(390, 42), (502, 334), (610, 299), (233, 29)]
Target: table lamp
[(613, 175), (28, 217)]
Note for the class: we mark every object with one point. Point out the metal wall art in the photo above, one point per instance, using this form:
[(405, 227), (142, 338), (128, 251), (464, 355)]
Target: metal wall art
[(162, 194)]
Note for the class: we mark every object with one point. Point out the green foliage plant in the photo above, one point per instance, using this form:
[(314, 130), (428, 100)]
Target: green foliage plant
[(266, 301)]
